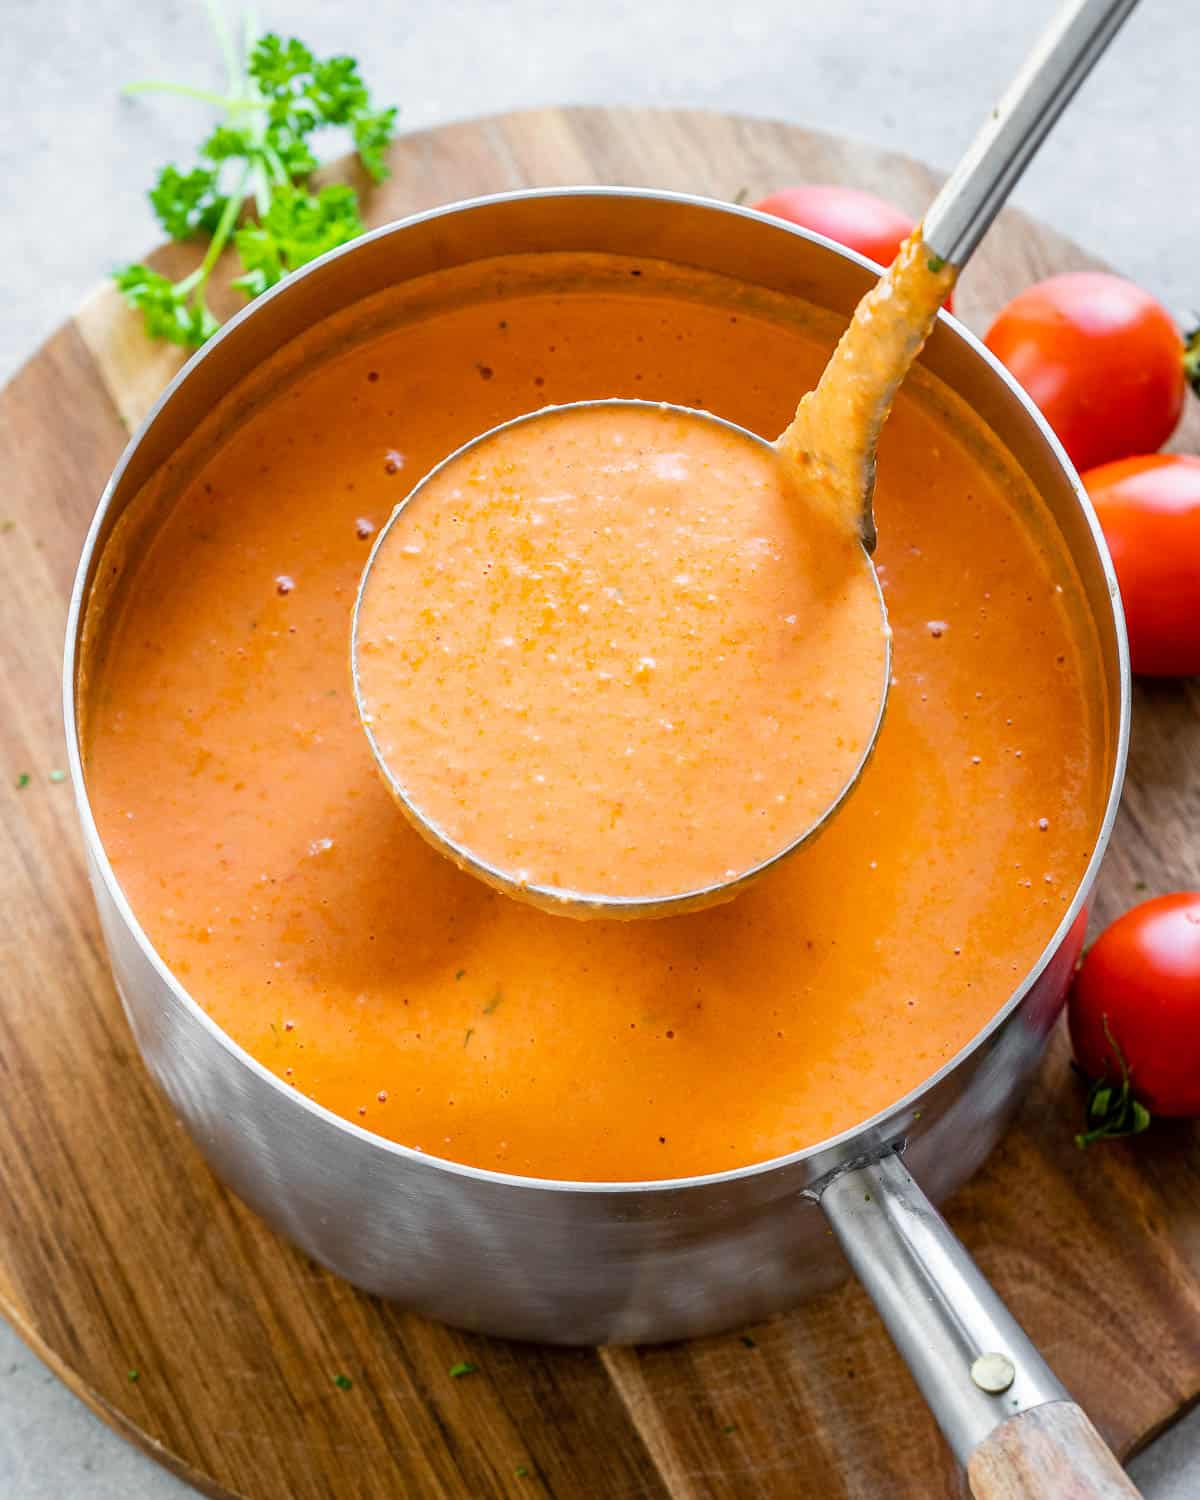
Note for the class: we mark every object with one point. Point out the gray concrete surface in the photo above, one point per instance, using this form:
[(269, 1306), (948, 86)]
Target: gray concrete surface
[(1120, 175)]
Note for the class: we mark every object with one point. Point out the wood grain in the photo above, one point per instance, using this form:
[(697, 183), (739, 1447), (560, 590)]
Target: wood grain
[(198, 1334), (1050, 1453)]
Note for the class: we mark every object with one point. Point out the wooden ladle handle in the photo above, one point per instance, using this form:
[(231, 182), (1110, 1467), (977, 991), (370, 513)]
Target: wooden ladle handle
[(1050, 1452)]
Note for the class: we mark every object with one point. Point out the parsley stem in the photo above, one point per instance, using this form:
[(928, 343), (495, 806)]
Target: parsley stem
[(229, 214), (216, 14), (185, 286), (277, 167), (262, 190), (249, 31), (196, 282), (206, 96)]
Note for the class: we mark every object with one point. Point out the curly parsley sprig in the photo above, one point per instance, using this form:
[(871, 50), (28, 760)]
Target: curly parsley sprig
[(279, 95)]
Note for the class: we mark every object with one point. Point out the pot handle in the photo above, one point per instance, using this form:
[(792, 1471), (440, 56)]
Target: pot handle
[(1003, 1411)]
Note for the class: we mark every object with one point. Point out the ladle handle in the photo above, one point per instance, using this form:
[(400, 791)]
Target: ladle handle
[(959, 216), (1003, 1411)]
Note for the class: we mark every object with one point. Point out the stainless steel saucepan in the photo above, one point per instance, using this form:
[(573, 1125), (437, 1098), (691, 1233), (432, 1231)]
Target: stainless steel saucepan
[(583, 1262)]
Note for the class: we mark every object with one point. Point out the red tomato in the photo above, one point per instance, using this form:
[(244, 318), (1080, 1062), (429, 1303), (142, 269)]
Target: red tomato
[(1100, 357), (1139, 988), (1150, 510), (861, 221)]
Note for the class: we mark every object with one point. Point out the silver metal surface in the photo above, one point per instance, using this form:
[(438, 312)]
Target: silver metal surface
[(573, 1262), (971, 1358), (562, 900), (1063, 57)]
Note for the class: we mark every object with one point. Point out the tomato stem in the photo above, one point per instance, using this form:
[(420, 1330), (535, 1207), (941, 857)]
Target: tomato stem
[(1191, 359), (1112, 1110)]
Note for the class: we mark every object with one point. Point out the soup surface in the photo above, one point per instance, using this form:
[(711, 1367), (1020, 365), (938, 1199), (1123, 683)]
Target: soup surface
[(614, 651), (236, 795)]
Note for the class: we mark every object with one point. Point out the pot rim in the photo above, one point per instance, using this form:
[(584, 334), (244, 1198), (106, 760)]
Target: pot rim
[(368, 1139)]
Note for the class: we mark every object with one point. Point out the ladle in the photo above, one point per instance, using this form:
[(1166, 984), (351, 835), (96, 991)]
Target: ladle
[(830, 445)]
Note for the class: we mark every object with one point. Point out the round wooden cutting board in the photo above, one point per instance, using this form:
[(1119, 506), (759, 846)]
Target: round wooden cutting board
[(252, 1372)]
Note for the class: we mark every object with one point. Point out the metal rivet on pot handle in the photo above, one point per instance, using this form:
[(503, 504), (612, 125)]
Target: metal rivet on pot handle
[(1003, 1411)]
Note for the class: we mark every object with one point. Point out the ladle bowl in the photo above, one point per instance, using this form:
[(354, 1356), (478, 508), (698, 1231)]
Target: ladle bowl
[(558, 898)]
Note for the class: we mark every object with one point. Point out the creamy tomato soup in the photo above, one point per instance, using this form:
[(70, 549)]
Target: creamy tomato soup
[(613, 651), (830, 443), (236, 795)]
